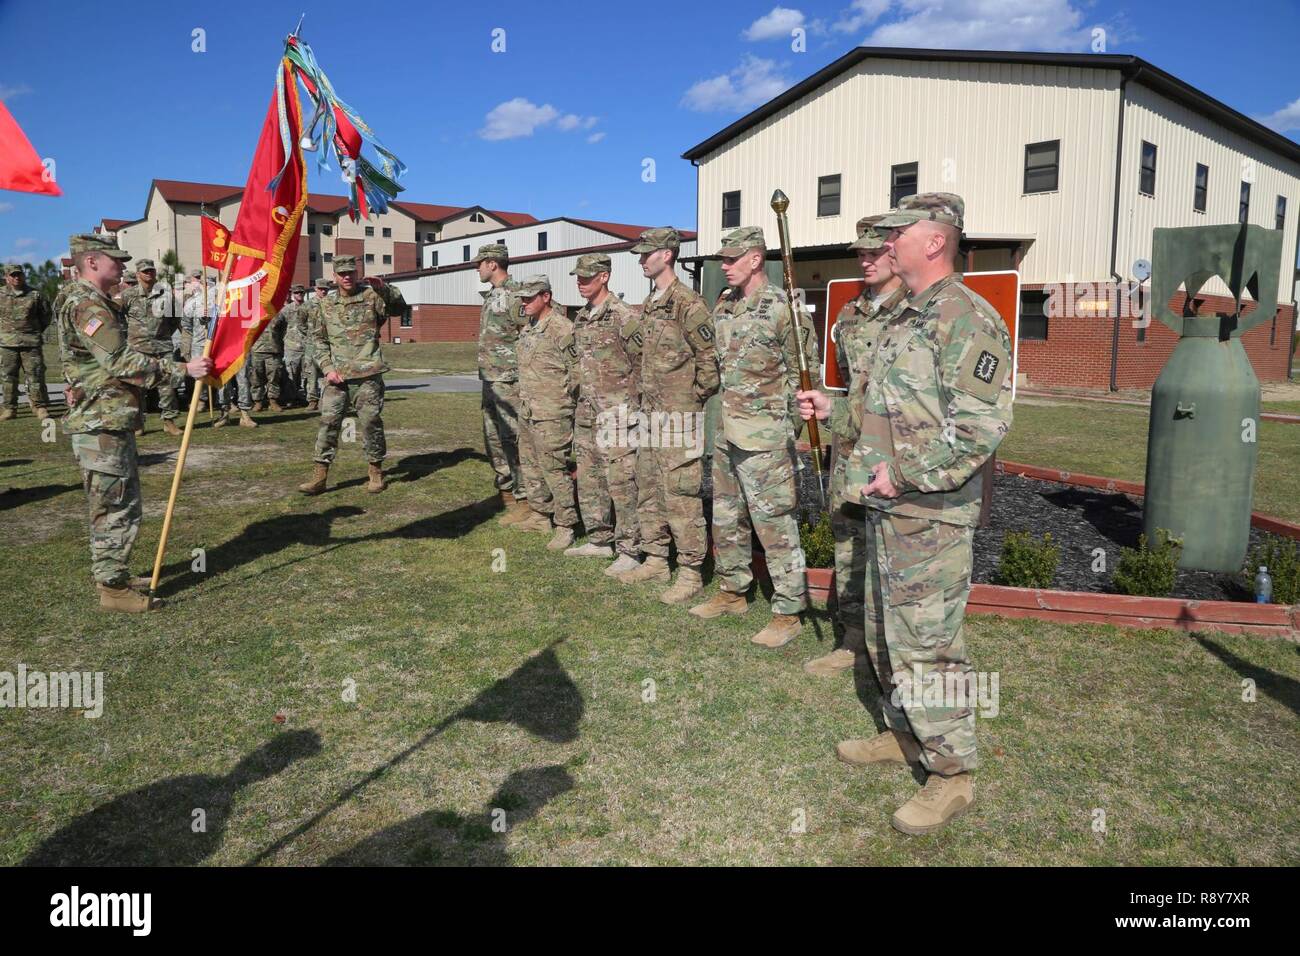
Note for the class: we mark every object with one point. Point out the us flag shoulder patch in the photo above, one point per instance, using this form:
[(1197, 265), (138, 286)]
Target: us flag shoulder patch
[(93, 326)]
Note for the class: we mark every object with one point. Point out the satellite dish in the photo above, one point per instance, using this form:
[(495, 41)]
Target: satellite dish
[(1142, 269)]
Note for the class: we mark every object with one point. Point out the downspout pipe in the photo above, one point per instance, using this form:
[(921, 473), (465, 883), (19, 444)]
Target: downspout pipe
[(1114, 227)]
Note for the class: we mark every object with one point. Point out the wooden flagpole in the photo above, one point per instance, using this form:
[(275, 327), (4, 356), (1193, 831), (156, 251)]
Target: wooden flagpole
[(185, 447)]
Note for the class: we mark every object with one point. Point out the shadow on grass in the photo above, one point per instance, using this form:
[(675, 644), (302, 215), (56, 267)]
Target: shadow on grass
[(446, 838), (154, 826), (15, 462), (1285, 690), (17, 497)]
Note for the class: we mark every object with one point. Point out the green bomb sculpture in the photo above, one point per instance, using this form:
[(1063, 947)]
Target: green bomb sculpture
[(1202, 442)]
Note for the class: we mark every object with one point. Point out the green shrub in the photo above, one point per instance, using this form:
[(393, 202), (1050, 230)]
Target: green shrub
[(1027, 563), (1149, 571), (1282, 558), (818, 542)]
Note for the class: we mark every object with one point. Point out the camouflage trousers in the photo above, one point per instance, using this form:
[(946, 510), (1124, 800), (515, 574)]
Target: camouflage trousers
[(264, 377), (369, 404), (854, 601), (544, 464), (670, 508), (32, 362), (754, 493), (607, 492), (311, 377), (236, 392), (292, 383), (168, 391), (501, 435), (921, 569), (110, 475)]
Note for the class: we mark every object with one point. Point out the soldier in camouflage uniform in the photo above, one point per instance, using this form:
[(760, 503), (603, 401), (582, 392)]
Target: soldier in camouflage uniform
[(151, 320), (310, 368), (608, 338), (548, 390), (105, 379), (265, 364), (348, 352), (24, 317), (937, 404), (500, 323), (295, 339), (857, 329), (753, 452), (679, 371)]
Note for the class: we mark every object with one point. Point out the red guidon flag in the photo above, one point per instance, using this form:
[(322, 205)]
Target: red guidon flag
[(216, 242), (20, 168), (264, 242)]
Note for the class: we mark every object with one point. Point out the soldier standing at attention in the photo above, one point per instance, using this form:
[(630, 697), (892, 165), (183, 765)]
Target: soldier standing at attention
[(679, 371), (348, 352), (548, 389), (311, 370), (753, 451), (150, 321), (194, 325), (295, 338), (500, 323), (24, 317), (938, 403), (108, 377), (857, 330), (608, 338), (266, 359)]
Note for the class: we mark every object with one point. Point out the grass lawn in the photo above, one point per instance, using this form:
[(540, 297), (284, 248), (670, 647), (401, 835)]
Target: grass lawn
[(1283, 408), (522, 689), (439, 357)]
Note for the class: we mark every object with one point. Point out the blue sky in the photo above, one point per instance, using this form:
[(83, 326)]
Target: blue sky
[(559, 123)]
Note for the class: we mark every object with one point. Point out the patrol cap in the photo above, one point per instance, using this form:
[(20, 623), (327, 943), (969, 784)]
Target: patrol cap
[(14, 269), (534, 285), (298, 287), (195, 273), (868, 238), (493, 250), (322, 283), (130, 278), (593, 263), (142, 264), (92, 242), (653, 240), (935, 207), (345, 263), (736, 241)]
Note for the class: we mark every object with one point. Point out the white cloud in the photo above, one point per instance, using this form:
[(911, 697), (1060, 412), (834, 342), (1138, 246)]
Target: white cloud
[(595, 137), (6, 207), (571, 121), (515, 118), (753, 82), (1288, 117), (860, 13), (8, 92), (775, 25), (1050, 25)]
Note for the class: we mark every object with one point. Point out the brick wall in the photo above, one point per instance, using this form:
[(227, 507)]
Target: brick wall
[(438, 323), (1077, 351), (404, 257), (302, 264)]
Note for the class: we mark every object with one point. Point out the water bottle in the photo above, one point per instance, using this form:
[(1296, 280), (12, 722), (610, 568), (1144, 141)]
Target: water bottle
[(1263, 586)]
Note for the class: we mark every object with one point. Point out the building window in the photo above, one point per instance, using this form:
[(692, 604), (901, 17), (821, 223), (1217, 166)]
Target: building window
[(386, 232), (327, 256), (1279, 220), (1147, 174), (326, 229), (406, 320), (428, 237), (731, 210), (433, 260), (311, 228), (370, 231), (465, 251), (370, 257), (541, 242), (902, 182), (1042, 166), (388, 260), (1033, 315), (311, 257), (828, 196), (1201, 189), (1243, 207), (476, 217)]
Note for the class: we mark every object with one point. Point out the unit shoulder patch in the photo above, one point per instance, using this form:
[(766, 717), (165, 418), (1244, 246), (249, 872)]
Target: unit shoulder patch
[(983, 368)]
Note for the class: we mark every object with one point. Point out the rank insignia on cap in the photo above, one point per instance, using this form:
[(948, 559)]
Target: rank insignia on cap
[(93, 326), (986, 366)]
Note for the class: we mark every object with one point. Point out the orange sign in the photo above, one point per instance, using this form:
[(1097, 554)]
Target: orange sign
[(1000, 289)]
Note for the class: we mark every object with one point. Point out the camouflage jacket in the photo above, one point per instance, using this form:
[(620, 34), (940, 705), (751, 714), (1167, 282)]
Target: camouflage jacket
[(270, 343), (548, 368), (295, 327), (758, 368), (192, 317), (346, 330), (24, 317), (98, 359), (499, 326), (150, 319), (679, 365), (311, 309), (608, 339), (937, 404), (856, 331)]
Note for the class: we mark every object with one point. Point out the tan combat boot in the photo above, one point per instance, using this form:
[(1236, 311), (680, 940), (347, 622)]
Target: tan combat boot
[(170, 428), (724, 602), (119, 597), (780, 631), (223, 419), (889, 747), (41, 412), (276, 406), (590, 550), (689, 583), (621, 565), (563, 538), (376, 484), (259, 406), (653, 568), (535, 521), (246, 420), (7, 413), (313, 406), (842, 658), (941, 800), (317, 483)]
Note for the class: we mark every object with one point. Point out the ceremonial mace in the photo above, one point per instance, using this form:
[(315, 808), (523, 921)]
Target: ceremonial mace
[(780, 203)]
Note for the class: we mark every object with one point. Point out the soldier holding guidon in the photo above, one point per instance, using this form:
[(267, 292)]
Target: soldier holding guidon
[(24, 317)]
